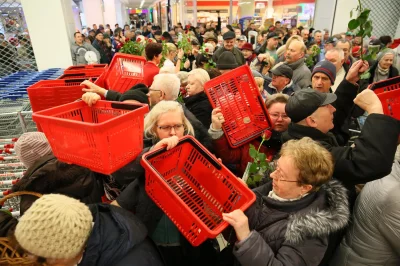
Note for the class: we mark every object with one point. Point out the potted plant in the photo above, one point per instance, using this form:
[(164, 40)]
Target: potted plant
[(260, 166)]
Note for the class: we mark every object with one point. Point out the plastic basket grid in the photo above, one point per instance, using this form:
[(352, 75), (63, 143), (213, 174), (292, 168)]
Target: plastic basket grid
[(90, 69), (194, 189), (386, 85), (50, 93), (391, 102), (237, 94), (103, 137), (92, 76), (124, 72)]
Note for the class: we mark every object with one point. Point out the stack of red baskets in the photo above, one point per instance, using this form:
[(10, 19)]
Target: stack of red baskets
[(388, 91)]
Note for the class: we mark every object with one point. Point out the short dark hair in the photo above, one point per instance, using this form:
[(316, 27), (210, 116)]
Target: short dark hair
[(92, 31), (116, 25), (152, 50), (264, 32), (76, 33), (117, 31), (276, 22), (385, 39), (2, 34)]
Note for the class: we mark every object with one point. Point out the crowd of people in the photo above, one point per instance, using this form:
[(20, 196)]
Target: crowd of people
[(310, 209)]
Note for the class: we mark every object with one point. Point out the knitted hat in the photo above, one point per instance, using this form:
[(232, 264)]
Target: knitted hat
[(327, 68), (210, 36), (227, 60), (55, 226), (32, 146), (247, 46)]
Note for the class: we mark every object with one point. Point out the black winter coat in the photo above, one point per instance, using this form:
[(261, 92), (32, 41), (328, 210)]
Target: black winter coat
[(200, 107), (116, 96), (370, 159), (295, 232), (49, 175), (118, 238)]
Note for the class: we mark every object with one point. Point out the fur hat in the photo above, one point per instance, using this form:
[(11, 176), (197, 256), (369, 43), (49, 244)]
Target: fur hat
[(32, 146), (55, 226)]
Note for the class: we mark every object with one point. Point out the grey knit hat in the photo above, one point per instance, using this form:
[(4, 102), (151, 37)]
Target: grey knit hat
[(32, 146), (227, 60)]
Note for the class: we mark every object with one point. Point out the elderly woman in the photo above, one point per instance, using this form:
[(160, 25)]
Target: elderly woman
[(240, 156), (383, 67), (61, 231), (163, 126), (196, 100), (296, 214)]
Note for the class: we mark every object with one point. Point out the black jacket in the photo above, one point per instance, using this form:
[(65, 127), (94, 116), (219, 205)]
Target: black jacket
[(370, 159), (296, 232), (200, 107), (116, 96), (49, 175), (118, 238), (393, 72)]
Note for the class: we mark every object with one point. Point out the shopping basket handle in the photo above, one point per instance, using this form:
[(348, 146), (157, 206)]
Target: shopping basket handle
[(125, 106)]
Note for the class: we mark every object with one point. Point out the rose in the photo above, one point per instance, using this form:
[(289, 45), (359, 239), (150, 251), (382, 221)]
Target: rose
[(163, 38), (266, 135), (206, 50), (188, 39), (150, 40), (138, 39)]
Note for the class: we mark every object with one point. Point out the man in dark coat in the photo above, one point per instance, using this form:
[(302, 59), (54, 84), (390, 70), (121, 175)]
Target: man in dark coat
[(312, 115), (229, 42)]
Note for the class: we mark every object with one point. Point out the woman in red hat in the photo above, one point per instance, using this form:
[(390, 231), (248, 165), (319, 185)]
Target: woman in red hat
[(248, 53)]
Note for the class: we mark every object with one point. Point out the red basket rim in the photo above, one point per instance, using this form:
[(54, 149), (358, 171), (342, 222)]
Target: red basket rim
[(43, 113)]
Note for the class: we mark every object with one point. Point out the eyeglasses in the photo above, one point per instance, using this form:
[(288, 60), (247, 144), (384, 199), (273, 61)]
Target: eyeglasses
[(168, 128), (277, 115), (278, 175), (150, 89)]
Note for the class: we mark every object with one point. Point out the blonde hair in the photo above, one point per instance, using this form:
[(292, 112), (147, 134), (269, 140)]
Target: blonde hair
[(151, 120), (201, 75), (171, 47), (314, 162), (259, 81), (276, 98)]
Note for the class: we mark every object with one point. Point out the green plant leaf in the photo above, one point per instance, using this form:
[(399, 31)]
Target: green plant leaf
[(363, 17), (257, 178), (365, 75), (253, 152), (262, 157), (353, 24), (351, 13), (253, 168), (360, 33)]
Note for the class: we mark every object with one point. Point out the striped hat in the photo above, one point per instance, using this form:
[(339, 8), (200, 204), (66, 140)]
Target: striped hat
[(32, 146), (327, 68)]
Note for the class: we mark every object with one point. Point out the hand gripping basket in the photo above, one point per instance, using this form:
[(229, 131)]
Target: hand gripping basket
[(193, 188), (103, 137), (237, 94), (9, 254)]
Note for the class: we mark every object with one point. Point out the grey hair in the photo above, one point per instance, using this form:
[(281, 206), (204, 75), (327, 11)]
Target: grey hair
[(344, 41), (201, 75), (167, 83), (304, 30), (151, 119), (183, 76), (317, 31), (337, 50)]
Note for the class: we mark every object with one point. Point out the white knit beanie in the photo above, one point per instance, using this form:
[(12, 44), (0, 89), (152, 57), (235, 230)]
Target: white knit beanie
[(32, 146), (55, 227)]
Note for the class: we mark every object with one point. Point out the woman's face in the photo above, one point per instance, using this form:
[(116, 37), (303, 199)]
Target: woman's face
[(285, 177), (194, 86), (99, 37), (170, 124), (280, 121), (386, 61), (247, 53), (172, 55)]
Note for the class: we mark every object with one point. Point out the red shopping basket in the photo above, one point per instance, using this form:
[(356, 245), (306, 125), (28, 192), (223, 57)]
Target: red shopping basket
[(237, 94), (391, 103), (124, 72), (386, 85), (103, 137), (194, 189), (50, 93), (93, 69)]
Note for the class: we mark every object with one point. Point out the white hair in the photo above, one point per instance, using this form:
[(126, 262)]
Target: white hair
[(183, 76), (201, 75), (337, 50), (151, 119), (167, 70), (169, 84)]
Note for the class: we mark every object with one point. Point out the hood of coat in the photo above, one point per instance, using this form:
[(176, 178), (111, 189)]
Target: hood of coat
[(320, 222), (115, 232)]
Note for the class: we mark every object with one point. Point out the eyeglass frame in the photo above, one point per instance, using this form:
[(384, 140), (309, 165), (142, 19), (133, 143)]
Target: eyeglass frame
[(279, 115), (169, 128), (279, 178)]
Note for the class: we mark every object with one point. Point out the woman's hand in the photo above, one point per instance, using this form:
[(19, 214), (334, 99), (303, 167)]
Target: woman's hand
[(170, 142), (239, 222), (181, 53), (187, 64), (91, 87), (217, 119), (90, 98)]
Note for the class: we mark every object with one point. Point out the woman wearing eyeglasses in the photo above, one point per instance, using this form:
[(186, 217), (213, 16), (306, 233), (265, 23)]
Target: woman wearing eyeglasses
[(240, 156), (163, 126), (297, 215)]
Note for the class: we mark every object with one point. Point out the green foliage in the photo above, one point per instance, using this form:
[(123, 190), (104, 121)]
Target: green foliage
[(310, 59), (362, 25), (134, 48)]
